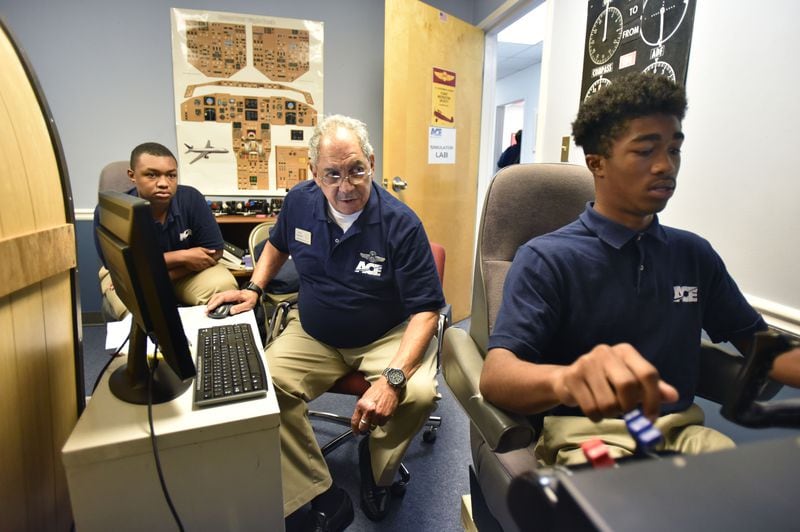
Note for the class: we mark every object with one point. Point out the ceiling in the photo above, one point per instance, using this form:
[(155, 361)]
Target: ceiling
[(513, 57), (519, 44)]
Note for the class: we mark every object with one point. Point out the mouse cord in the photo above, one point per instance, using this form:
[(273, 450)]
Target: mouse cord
[(164, 489)]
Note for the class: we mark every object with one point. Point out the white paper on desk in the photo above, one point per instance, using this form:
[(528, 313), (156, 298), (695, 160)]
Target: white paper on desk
[(117, 333)]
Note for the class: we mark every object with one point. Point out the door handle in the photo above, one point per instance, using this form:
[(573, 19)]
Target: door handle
[(398, 184)]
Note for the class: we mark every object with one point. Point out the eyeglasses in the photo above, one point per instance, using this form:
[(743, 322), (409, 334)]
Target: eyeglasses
[(356, 176)]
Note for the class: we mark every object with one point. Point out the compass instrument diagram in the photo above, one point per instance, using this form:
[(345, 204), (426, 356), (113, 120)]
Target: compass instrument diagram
[(624, 36)]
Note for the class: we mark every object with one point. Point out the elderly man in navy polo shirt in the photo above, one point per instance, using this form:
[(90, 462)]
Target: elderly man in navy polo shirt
[(188, 234), (605, 314), (369, 300)]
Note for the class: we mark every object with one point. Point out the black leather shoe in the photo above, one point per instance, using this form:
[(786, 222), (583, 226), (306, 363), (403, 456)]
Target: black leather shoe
[(319, 521), (374, 498)]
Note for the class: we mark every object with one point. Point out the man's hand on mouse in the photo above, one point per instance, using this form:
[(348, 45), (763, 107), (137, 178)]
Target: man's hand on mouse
[(243, 300)]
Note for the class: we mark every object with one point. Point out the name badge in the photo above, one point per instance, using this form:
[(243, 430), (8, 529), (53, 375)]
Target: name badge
[(301, 235)]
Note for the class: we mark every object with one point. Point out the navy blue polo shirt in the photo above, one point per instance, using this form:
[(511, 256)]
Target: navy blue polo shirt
[(189, 223), (595, 281), (356, 286)]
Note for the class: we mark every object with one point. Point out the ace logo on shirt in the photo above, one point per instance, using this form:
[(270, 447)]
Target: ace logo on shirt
[(684, 294), (371, 265)]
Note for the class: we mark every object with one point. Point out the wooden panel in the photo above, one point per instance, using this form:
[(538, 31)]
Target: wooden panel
[(33, 404), (61, 375), (33, 257), (38, 321), (418, 38), (12, 469)]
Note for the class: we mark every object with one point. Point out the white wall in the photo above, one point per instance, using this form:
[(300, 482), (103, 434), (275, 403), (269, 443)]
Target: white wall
[(738, 185), (522, 85), (559, 89)]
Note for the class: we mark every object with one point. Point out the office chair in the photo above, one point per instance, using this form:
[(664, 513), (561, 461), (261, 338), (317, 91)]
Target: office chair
[(522, 201), (355, 383), (285, 284), (114, 178), (258, 235)]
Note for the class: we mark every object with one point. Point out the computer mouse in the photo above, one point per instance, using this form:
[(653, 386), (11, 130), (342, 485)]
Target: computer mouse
[(222, 311)]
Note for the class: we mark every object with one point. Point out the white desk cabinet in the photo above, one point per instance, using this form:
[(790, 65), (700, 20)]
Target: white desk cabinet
[(220, 463)]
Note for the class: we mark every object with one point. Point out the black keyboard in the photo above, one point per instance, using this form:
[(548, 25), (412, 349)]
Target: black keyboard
[(229, 366)]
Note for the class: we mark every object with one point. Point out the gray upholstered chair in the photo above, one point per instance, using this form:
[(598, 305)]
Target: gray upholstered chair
[(114, 177), (524, 201)]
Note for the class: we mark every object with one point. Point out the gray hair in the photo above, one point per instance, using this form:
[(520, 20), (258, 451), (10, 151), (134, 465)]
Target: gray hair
[(332, 123)]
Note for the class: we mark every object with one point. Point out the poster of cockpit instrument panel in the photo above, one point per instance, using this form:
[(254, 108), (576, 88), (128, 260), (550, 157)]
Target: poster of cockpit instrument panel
[(248, 91)]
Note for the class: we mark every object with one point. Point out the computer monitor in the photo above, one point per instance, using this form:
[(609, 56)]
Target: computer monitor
[(127, 237)]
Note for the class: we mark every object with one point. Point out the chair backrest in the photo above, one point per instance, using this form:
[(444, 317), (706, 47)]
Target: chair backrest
[(523, 201), (114, 177), (258, 235), (286, 281), (439, 256)]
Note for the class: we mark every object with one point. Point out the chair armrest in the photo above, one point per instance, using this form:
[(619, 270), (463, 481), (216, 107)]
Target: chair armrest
[(461, 366), (281, 305), (445, 318)]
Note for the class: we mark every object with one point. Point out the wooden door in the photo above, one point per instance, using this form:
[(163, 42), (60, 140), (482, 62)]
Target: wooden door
[(421, 40), (41, 373)]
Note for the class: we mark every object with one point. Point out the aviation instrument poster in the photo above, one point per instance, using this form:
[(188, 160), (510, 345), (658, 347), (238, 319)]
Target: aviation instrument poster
[(248, 91), (625, 36)]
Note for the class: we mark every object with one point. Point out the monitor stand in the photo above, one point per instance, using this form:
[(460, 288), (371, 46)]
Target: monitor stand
[(129, 382)]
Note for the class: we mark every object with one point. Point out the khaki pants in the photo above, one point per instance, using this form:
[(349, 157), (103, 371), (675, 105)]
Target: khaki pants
[(302, 369), (683, 432), (193, 289)]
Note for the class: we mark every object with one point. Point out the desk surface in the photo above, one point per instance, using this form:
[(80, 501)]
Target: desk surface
[(242, 219), (753, 487), (110, 427)]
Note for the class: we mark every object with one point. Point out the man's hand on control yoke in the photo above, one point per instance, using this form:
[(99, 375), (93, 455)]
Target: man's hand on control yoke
[(612, 380)]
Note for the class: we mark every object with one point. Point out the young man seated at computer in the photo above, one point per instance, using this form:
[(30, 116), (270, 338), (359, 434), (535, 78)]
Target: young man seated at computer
[(605, 314), (188, 234)]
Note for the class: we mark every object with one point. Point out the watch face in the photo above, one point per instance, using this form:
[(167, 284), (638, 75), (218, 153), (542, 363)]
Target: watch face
[(395, 377), (605, 36)]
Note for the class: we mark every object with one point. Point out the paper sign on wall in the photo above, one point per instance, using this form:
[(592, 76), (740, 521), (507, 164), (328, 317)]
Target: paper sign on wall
[(443, 111), (441, 145)]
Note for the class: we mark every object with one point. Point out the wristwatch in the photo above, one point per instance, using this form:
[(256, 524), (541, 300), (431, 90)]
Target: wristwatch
[(395, 376), (255, 288)]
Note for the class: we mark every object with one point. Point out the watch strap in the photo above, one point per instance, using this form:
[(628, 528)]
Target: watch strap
[(255, 288)]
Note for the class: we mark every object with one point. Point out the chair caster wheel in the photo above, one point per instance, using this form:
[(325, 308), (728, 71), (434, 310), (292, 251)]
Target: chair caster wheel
[(429, 436), (398, 489)]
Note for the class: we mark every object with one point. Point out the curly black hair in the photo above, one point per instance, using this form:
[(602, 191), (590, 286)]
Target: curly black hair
[(605, 115)]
